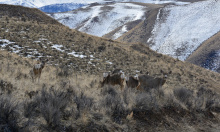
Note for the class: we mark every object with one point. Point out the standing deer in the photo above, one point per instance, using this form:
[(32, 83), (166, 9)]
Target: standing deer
[(132, 82), (37, 69), (147, 82), (114, 79)]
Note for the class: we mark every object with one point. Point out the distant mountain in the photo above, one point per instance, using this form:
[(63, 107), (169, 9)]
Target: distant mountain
[(41, 3), (101, 19), (68, 5), (61, 7), (173, 30)]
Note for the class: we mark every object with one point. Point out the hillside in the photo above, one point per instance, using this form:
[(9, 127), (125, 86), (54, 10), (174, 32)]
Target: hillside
[(162, 27), (208, 54), (25, 14), (189, 99), (142, 31), (100, 19)]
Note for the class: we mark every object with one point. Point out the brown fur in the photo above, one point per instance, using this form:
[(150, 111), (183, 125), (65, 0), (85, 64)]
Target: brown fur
[(114, 79), (147, 82), (132, 82), (37, 70)]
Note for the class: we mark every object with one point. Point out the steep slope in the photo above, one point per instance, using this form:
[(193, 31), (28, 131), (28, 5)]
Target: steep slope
[(85, 53), (69, 85), (25, 14), (181, 29), (141, 32), (101, 19), (208, 54)]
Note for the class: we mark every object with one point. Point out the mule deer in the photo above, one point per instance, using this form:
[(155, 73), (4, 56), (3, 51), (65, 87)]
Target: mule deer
[(147, 82), (114, 79), (131, 82), (37, 69)]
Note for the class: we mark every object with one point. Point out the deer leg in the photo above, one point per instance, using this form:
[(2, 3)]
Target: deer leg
[(122, 87), (39, 78), (138, 87)]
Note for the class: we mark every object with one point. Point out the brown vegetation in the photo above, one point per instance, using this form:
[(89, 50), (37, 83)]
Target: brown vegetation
[(68, 97), (59, 103)]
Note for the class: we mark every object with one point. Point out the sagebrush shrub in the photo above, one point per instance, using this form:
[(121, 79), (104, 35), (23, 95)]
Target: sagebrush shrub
[(9, 115)]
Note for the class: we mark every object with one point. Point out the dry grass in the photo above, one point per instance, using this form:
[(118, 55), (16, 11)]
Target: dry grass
[(37, 41), (75, 82), (66, 103)]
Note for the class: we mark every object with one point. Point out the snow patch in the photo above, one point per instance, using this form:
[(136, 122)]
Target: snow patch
[(75, 54), (120, 32), (58, 47), (109, 62)]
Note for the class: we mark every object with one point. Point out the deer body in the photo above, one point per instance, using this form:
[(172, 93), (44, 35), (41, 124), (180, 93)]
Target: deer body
[(132, 82), (37, 69), (115, 79), (147, 82)]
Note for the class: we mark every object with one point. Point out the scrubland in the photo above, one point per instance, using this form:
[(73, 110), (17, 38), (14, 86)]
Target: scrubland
[(76, 102), (68, 96)]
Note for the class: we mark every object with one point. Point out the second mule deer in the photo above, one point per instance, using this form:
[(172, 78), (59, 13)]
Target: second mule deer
[(132, 82), (114, 79), (147, 82)]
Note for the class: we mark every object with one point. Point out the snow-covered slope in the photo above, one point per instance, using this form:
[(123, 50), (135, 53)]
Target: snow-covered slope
[(102, 19), (181, 29), (18, 2)]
